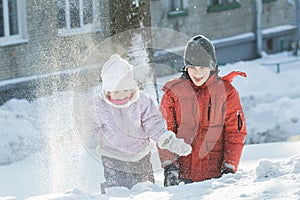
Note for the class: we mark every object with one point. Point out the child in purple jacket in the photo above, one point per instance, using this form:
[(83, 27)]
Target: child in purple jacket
[(128, 121)]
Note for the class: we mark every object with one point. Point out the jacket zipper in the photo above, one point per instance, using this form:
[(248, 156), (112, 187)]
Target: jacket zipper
[(208, 110)]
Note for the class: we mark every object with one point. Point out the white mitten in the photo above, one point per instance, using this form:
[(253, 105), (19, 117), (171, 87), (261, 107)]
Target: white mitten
[(169, 141)]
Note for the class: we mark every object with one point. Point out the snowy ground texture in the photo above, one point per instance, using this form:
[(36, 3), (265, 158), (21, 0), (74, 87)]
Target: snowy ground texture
[(42, 156)]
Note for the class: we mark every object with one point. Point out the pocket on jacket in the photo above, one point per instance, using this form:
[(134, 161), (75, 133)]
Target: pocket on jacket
[(240, 121)]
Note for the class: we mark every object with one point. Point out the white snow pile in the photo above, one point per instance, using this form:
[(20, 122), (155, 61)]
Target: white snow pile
[(17, 131), (268, 169), (271, 180), (26, 125)]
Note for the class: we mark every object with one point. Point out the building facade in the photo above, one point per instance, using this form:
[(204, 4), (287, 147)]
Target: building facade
[(240, 29), (48, 40), (39, 36), (60, 37)]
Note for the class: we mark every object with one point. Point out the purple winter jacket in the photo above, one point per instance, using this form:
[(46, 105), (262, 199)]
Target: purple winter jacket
[(125, 133)]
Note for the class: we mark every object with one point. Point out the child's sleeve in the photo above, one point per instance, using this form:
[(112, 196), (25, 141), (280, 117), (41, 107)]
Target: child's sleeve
[(152, 120), (235, 130), (167, 108)]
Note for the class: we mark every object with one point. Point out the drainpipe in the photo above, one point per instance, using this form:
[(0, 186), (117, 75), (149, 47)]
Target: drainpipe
[(258, 27), (298, 19)]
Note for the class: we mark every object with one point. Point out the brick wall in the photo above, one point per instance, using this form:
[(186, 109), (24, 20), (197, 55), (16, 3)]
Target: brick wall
[(46, 51)]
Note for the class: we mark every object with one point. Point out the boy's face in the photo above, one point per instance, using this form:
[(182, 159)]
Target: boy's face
[(199, 74), (120, 94)]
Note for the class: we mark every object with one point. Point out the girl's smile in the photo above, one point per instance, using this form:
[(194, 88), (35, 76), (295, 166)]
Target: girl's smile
[(120, 97)]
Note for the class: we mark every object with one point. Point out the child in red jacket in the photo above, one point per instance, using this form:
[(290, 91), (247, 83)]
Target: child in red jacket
[(205, 110)]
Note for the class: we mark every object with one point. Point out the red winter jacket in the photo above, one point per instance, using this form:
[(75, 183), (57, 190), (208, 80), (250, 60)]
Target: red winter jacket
[(211, 119)]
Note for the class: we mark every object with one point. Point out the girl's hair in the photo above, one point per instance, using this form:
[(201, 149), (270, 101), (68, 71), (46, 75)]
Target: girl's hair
[(185, 74)]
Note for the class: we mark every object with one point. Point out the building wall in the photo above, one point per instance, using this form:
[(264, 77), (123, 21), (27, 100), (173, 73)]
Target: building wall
[(46, 61), (231, 30), (216, 25), (46, 51), (278, 13)]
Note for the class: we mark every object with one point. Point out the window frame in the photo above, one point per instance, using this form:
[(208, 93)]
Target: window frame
[(22, 36), (95, 26), (267, 1), (176, 12), (221, 6)]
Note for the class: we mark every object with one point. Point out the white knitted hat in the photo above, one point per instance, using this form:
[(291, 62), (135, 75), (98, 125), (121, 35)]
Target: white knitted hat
[(117, 74)]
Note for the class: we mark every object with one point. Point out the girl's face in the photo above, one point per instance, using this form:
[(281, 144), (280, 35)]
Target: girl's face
[(120, 94), (198, 74)]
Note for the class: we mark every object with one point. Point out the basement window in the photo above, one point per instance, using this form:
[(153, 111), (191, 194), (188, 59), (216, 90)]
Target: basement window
[(267, 1), (222, 5), (269, 44)]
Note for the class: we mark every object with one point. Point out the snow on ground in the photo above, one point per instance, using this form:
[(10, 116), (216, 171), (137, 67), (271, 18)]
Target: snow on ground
[(42, 155)]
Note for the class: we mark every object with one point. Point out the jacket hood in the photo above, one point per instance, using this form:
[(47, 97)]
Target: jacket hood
[(117, 74)]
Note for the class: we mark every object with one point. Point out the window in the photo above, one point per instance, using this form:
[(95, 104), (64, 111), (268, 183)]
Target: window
[(269, 44), (12, 22), (78, 16), (221, 5), (176, 8)]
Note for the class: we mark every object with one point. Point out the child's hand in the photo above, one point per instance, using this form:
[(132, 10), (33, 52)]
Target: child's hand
[(169, 141)]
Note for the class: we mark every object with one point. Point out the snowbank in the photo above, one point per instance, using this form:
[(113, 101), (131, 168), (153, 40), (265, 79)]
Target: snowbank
[(43, 132), (269, 180)]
